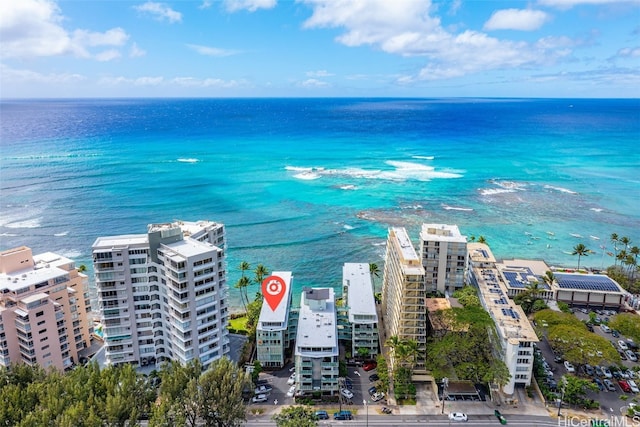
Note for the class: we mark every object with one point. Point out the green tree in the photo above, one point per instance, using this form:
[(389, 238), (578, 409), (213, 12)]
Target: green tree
[(296, 416), (580, 347), (482, 240), (575, 389), (241, 285), (260, 273), (627, 324), (580, 250), (615, 240), (220, 400), (363, 353), (374, 271)]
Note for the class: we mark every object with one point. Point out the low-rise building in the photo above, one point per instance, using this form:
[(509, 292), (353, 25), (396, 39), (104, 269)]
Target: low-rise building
[(44, 309), (357, 291), (316, 347), (272, 332)]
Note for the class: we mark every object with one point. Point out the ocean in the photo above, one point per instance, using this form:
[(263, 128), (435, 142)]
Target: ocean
[(308, 184)]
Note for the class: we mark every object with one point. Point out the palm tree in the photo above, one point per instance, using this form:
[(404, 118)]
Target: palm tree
[(481, 239), (260, 273), (615, 240), (412, 350), (534, 288), (580, 250), (374, 271), (621, 256), (635, 251), (242, 284), (393, 343), (625, 241), (472, 238), (549, 278)]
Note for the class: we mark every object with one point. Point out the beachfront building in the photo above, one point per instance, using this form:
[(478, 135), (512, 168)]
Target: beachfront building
[(357, 291), (520, 275), (316, 348), (44, 309), (443, 251), (595, 291), (515, 335), (162, 295), (273, 330), (403, 294)]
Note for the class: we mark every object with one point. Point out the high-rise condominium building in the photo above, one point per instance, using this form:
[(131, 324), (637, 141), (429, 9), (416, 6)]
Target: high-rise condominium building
[(443, 251), (357, 291), (162, 295), (274, 326), (403, 294), (44, 309)]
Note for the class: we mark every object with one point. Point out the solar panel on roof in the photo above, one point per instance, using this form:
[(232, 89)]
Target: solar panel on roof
[(586, 282)]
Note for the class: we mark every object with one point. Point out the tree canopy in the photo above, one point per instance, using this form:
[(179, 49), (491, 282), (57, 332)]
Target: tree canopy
[(628, 324), (296, 416)]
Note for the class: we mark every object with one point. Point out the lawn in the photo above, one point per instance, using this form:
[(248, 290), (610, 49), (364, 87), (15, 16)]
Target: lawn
[(239, 323)]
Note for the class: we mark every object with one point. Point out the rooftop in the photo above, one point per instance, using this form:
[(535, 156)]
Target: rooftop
[(281, 313), (357, 279), (442, 233), (47, 266), (411, 263), (112, 242), (189, 247), (317, 327), (590, 282)]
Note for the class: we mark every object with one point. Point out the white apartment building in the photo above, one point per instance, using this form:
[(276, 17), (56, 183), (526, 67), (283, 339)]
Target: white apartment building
[(403, 294), (44, 309), (515, 334), (272, 332), (162, 295), (357, 291), (316, 349), (443, 251)]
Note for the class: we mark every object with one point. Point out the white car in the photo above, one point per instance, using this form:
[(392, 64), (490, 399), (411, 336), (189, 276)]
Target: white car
[(606, 372), (623, 345), (458, 416), (292, 379), (291, 391), (377, 396), (260, 398), (346, 393), (570, 368), (605, 329), (631, 355), (633, 386)]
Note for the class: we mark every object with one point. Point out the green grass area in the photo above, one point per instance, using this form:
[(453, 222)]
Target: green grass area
[(239, 323)]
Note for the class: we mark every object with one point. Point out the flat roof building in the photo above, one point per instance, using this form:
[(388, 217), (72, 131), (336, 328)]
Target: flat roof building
[(316, 347), (272, 335), (516, 336), (443, 251), (403, 294), (357, 291), (162, 295), (44, 309)]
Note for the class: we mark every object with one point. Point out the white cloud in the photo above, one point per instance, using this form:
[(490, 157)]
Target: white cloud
[(629, 52), (160, 11), (148, 81), (250, 5), (319, 73), (136, 52), (33, 28), (211, 51), (206, 4), (12, 75), (406, 28), (108, 55), (568, 4), (516, 19), (314, 83)]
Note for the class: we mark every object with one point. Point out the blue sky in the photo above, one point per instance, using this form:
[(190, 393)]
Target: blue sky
[(319, 48)]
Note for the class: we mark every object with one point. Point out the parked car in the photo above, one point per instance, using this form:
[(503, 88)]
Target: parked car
[(346, 393), (599, 372), (605, 329), (623, 345), (458, 416), (588, 369), (624, 386), (374, 377), (343, 415), (348, 383), (558, 359), (377, 396), (606, 372), (292, 379), (598, 382), (260, 398), (386, 410), (633, 386), (370, 365), (321, 415), (609, 385), (372, 390), (292, 391), (631, 355), (632, 374), (569, 367), (615, 333), (623, 355), (263, 389)]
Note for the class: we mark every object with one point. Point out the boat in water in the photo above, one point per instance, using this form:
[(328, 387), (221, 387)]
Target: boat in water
[(595, 237), (577, 236)]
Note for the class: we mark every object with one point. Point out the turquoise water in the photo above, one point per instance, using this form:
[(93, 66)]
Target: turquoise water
[(308, 184)]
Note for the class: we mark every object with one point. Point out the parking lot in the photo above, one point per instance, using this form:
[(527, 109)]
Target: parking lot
[(609, 399)]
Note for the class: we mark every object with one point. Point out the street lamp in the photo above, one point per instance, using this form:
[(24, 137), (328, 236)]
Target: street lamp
[(445, 384), (367, 408)]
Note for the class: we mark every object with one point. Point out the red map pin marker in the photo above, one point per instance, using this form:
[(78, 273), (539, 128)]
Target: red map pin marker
[(273, 289)]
